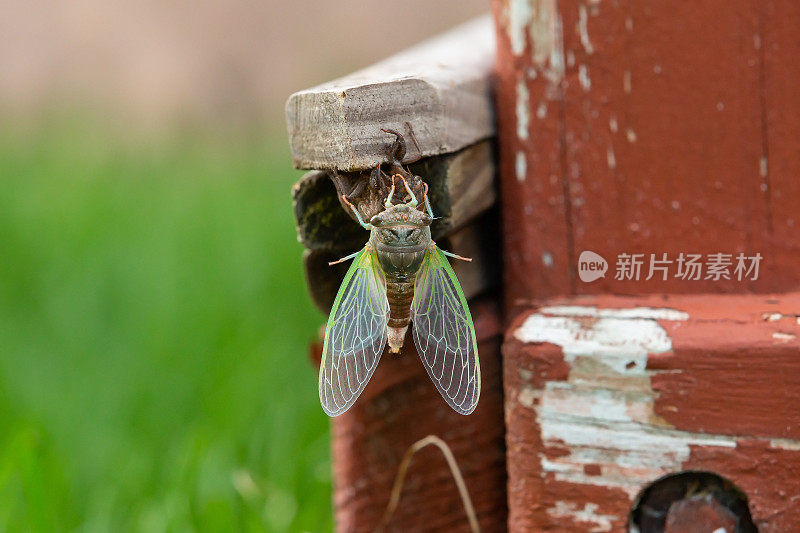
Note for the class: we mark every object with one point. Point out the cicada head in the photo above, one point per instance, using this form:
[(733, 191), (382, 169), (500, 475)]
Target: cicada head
[(402, 226)]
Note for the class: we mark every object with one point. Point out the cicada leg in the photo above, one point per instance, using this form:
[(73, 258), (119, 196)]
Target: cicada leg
[(455, 256), (364, 225)]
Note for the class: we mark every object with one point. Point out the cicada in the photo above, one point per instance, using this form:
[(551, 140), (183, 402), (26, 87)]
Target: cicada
[(399, 277)]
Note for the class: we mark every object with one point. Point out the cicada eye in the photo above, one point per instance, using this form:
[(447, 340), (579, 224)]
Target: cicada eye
[(426, 219)]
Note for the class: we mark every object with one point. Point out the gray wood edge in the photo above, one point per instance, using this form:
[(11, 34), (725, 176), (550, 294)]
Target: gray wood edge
[(442, 87)]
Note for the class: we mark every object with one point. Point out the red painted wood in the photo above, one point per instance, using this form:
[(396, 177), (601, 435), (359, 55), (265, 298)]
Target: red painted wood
[(654, 140), (401, 406), (779, 49), (534, 212), (731, 377)]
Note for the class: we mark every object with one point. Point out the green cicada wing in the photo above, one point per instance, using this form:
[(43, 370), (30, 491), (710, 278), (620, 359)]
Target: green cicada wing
[(444, 333), (355, 335)]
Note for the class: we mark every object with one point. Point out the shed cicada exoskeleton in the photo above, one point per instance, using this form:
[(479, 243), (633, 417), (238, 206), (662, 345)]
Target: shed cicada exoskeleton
[(399, 277)]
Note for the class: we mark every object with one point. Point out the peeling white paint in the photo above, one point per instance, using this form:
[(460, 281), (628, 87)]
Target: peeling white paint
[(583, 76), (783, 337), (612, 124), (615, 341), (626, 81), (547, 259), (603, 414), (785, 444), (519, 16), (541, 111), (631, 135), (546, 36), (586, 514), (650, 313), (521, 166), (528, 395), (611, 158), (583, 26), (523, 110)]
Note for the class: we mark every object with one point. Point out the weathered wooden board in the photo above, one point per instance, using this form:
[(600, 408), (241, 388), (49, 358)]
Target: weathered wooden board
[(441, 87), (606, 394), (637, 127)]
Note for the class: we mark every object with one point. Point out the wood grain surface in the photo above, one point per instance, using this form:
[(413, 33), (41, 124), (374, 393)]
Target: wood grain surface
[(441, 87)]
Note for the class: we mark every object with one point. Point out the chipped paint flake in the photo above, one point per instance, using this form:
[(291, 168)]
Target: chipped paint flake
[(615, 341), (521, 166), (528, 395), (587, 514), (626, 81), (583, 26), (541, 111), (631, 135), (650, 313), (612, 124), (783, 337), (523, 110), (583, 76), (611, 158), (546, 36), (519, 16)]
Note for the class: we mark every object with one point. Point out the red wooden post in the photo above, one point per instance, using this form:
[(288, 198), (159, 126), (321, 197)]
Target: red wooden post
[(648, 128)]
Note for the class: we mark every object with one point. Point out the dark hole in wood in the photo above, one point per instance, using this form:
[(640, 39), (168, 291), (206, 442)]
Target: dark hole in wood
[(690, 502)]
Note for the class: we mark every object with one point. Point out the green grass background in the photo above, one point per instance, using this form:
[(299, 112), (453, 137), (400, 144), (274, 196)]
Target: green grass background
[(154, 325)]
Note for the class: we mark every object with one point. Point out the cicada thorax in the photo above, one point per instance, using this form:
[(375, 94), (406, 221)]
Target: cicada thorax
[(400, 235)]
